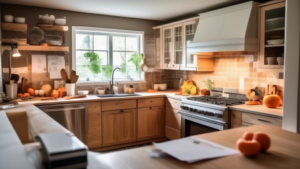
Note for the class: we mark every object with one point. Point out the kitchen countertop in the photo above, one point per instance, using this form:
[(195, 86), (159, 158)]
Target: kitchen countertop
[(93, 97), (259, 109), (283, 153)]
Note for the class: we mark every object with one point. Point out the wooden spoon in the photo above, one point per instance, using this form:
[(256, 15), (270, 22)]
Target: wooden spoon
[(64, 75), (76, 79), (73, 76)]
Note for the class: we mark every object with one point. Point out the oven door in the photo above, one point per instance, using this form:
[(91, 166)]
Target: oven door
[(194, 126)]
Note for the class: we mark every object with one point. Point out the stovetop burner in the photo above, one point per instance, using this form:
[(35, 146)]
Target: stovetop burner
[(218, 100)]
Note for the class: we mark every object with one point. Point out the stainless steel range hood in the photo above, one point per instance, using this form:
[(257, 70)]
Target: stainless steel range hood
[(233, 28)]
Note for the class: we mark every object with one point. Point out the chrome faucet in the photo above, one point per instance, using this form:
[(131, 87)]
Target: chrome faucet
[(111, 85)]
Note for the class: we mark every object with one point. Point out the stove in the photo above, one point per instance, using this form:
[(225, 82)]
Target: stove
[(206, 114)]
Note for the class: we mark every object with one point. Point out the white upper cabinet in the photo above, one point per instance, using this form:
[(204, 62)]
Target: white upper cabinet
[(271, 37), (171, 40)]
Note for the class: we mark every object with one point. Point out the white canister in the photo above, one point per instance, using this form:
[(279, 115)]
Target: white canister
[(41, 93), (36, 92), (11, 90), (70, 89)]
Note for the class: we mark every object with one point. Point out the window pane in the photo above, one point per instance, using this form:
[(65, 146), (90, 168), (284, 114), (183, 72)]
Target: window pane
[(131, 74), (100, 42), (84, 69), (103, 56), (131, 43), (118, 43), (128, 56), (83, 41), (118, 58)]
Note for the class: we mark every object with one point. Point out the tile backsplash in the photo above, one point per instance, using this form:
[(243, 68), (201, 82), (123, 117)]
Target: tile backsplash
[(229, 72)]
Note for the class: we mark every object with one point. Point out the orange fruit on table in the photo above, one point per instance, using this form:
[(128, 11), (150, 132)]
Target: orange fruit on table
[(263, 139), (30, 91), (248, 136), (272, 101), (248, 147)]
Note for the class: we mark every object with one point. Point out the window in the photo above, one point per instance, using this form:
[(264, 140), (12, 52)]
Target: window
[(97, 51)]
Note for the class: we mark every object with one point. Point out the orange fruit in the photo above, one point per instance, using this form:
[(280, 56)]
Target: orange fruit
[(248, 136), (20, 95), (248, 147), (263, 139), (272, 101), (26, 95), (30, 91)]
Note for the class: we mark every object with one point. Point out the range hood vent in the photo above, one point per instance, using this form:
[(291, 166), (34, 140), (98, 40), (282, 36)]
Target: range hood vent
[(229, 29)]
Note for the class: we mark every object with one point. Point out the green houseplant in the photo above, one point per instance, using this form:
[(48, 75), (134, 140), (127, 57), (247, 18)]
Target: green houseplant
[(93, 62), (107, 70), (136, 60)]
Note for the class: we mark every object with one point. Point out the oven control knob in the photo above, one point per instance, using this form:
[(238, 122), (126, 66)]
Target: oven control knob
[(200, 111), (205, 113), (195, 110), (183, 107), (191, 109)]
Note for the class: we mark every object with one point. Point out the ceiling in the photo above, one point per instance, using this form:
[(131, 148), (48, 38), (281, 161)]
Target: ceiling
[(161, 10)]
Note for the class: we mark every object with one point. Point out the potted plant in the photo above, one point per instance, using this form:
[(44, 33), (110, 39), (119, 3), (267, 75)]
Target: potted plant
[(209, 85), (93, 62)]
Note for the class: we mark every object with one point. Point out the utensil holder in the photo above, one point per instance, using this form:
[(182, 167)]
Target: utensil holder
[(11, 90), (70, 89)]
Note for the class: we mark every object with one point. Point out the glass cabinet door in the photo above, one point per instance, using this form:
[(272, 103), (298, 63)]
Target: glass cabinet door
[(272, 36), (178, 45), (167, 47), (189, 32), (157, 34)]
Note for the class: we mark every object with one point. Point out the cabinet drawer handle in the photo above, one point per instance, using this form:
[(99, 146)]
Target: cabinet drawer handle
[(233, 115), (151, 101), (264, 121), (120, 103)]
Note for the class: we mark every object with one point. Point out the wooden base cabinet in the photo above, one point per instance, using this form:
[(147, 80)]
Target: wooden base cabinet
[(94, 137), (119, 127), (173, 118), (150, 123)]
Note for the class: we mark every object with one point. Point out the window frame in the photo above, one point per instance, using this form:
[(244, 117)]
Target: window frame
[(112, 32)]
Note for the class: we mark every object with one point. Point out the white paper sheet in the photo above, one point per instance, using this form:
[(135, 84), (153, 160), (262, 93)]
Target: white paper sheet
[(38, 63), (55, 64), (192, 149)]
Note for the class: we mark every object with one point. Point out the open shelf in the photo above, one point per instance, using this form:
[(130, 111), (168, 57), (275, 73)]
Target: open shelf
[(272, 46), (276, 29), (53, 28), (44, 48), (20, 27)]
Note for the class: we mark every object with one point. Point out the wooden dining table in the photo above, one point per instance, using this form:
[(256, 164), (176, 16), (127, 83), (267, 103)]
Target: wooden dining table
[(284, 153)]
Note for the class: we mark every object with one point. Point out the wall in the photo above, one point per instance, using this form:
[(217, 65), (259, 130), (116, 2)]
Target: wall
[(75, 19), (228, 72)]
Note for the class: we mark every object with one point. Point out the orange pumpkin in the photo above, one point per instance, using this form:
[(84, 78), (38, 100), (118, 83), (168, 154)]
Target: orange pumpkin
[(264, 140), (30, 91), (26, 95), (272, 101), (248, 147)]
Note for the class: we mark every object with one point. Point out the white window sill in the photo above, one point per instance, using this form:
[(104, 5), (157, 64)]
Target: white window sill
[(86, 83)]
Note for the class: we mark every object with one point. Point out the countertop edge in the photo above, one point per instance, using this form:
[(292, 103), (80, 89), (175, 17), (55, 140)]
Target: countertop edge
[(256, 112)]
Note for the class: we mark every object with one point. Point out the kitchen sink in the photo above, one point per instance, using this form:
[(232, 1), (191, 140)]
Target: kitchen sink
[(118, 95)]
